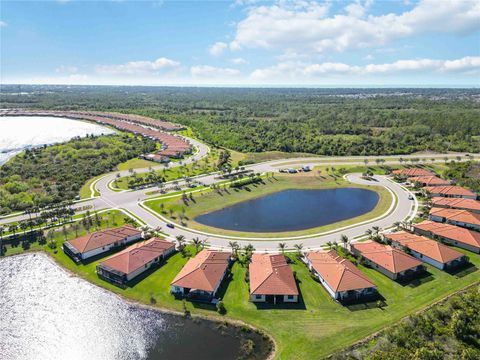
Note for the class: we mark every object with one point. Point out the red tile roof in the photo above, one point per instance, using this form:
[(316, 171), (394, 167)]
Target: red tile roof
[(427, 247), (138, 255), (339, 273), (452, 232), (449, 190), (271, 275), (457, 203), (204, 271), (387, 257), (463, 216), (414, 172), (429, 180), (102, 238)]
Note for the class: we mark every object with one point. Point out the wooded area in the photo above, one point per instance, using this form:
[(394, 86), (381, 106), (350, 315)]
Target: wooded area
[(50, 174), (318, 121)]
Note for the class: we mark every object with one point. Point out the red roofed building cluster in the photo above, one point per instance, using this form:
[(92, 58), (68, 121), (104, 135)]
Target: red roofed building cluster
[(428, 181), (389, 261), (457, 203), (430, 251), (202, 275), (342, 280), (451, 234), (271, 279), (100, 242), (134, 260), (413, 172), (451, 191), (456, 217)]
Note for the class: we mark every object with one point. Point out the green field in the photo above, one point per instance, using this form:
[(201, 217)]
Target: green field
[(175, 208), (312, 329), (202, 166)]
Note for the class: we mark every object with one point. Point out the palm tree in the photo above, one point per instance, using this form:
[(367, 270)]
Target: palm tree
[(344, 239), (196, 242), (234, 246), (329, 244), (282, 247), (397, 225), (369, 232), (180, 241), (299, 248), (376, 229)]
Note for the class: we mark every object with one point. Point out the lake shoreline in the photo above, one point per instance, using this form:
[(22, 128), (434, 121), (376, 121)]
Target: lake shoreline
[(214, 319)]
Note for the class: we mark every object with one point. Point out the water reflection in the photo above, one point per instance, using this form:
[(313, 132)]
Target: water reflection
[(47, 313)]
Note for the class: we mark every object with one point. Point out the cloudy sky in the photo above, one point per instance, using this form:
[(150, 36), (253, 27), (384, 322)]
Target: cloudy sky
[(242, 42)]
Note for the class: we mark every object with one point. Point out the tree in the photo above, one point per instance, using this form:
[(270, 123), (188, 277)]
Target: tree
[(299, 248), (344, 239), (196, 242), (282, 247), (235, 247), (180, 242)]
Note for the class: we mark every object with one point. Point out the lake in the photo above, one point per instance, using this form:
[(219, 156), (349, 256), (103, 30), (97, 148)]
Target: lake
[(47, 313), (20, 132), (292, 210)]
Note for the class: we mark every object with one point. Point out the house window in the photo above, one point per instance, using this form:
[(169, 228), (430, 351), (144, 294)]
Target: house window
[(290, 297), (258, 297)]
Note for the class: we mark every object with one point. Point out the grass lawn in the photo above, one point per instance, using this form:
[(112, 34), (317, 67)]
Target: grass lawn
[(312, 329), (135, 163), (110, 218), (202, 166), (209, 201), (85, 192)]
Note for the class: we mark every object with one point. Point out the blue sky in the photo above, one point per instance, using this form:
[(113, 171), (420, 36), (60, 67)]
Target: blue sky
[(243, 42)]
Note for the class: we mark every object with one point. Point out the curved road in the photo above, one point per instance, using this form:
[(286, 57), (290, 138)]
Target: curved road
[(131, 200)]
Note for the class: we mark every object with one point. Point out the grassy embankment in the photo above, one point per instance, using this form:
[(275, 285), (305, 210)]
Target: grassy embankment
[(209, 200)]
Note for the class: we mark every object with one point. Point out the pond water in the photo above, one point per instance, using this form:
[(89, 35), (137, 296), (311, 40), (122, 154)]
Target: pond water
[(292, 210), (46, 313), (20, 132)]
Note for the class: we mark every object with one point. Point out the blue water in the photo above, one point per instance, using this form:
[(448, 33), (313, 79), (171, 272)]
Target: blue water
[(292, 210)]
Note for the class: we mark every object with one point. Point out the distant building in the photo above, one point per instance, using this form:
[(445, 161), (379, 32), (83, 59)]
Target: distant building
[(342, 280), (389, 261), (202, 275), (100, 242), (428, 181), (457, 203), (271, 279), (412, 172), (456, 217), (156, 158), (450, 234), (427, 250), (451, 191), (134, 260)]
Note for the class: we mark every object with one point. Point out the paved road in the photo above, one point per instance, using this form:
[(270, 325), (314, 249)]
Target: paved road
[(130, 200)]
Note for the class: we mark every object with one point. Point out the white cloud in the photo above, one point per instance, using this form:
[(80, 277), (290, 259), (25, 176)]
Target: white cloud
[(3, 24), (213, 72), (218, 48), (239, 61), (66, 69), (301, 72), (139, 67), (307, 26)]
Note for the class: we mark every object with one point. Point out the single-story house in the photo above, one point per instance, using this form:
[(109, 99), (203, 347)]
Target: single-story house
[(134, 260), (342, 280), (428, 181), (156, 158), (99, 242), (271, 279), (427, 250), (391, 262), (451, 191), (457, 203), (411, 172), (456, 217), (450, 234), (202, 275)]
